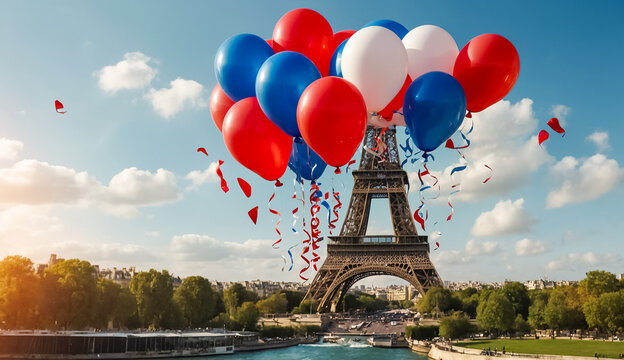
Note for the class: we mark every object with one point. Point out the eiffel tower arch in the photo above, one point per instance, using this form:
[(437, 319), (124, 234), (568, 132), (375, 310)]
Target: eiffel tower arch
[(353, 255)]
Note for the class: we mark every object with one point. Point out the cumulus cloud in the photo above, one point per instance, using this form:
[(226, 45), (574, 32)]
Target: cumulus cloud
[(474, 247), (199, 177), (506, 218), (133, 72), (28, 221), (504, 139), (10, 149), (527, 247), (194, 247), (182, 93), (582, 261), (600, 139), (445, 258), (33, 182), (116, 253), (584, 180)]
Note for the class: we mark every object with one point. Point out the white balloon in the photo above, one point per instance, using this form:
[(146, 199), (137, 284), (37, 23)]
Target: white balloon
[(430, 48), (375, 61)]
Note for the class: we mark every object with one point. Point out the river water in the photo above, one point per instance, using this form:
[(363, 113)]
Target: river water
[(349, 351)]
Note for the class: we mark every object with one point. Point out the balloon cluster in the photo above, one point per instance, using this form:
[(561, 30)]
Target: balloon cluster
[(303, 98)]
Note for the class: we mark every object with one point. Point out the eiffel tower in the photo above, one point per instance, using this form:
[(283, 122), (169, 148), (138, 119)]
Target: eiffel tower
[(353, 255)]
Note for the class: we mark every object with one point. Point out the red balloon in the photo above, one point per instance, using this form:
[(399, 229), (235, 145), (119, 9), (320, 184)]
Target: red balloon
[(307, 32), (339, 37), (397, 102), (255, 141), (220, 103), (487, 68), (273, 46), (331, 115)]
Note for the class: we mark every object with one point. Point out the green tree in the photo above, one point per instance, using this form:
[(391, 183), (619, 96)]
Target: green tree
[(197, 301), (496, 314), (274, 304), (469, 298), (456, 326), (420, 332), (126, 316), (70, 294), (306, 307), (438, 299), (606, 313), (107, 302), (564, 309), (154, 296), (294, 298), (406, 304), (247, 316), (518, 295), (520, 325), (537, 317), (371, 303), (236, 295), (597, 283), (19, 290)]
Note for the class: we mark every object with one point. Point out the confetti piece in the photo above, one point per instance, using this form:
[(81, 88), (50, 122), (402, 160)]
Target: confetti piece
[(492, 172), (554, 124), (244, 185), (59, 107), (543, 136), (203, 150), (253, 214)]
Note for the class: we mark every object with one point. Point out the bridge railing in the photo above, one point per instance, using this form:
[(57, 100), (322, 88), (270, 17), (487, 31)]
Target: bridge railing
[(377, 239)]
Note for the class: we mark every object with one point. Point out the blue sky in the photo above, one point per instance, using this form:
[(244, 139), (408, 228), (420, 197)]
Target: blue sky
[(87, 183)]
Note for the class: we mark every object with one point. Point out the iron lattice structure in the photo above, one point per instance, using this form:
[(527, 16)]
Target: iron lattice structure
[(353, 255)]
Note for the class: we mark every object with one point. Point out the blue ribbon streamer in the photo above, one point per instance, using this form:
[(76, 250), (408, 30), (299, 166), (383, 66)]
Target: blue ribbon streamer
[(458, 169)]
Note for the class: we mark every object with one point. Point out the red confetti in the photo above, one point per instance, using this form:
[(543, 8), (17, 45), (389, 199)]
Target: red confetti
[(543, 136), (203, 150), (554, 124), (224, 186), (244, 185), (437, 246), (59, 107), (417, 216), (492, 172), (253, 214), (337, 207), (279, 216)]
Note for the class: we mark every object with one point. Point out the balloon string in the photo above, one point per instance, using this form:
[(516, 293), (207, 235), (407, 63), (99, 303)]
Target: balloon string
[(224, 186), (275, 212), (296, 209)]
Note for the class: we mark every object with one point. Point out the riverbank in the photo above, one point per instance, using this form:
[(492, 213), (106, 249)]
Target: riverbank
[(275, 344)]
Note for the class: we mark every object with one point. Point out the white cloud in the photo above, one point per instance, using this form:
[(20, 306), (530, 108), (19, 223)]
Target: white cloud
[(474, 247), (600, 139), (584, 180), (10, 149), (527, 247), (132, 72), (28, 221), (506, 218), (116, 253), (32, 182), (445, 258), (200, 177), (182, 93), (582, 261), (560, 112), (152, 233), (504, 139), (193, 247)]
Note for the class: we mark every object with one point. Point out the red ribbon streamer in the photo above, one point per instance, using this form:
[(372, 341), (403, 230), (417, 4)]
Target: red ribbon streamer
[(543, 136), (305, 242), (203, 150), (349, 164), (337, 207), (314, 223), (224, 186), (452, 212), (492, 172), (59, 107), (244, 185), (451, 145), (253, 214), (417, 217), (554, 124), (275, 212)]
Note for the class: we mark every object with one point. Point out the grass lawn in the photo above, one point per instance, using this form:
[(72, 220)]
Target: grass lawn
[(551, 346)]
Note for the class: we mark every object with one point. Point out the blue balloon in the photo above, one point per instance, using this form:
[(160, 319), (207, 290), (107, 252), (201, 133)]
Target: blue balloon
[(433, 108), (237, 63), (335, 66), (304, 162), (279, 85), (396, 28)]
